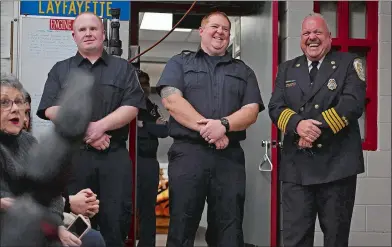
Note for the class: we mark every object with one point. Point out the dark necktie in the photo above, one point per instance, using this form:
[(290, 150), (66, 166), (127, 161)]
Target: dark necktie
[(313, 71)]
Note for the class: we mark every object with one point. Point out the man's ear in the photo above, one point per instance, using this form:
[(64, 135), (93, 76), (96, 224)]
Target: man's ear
[(201, 29)]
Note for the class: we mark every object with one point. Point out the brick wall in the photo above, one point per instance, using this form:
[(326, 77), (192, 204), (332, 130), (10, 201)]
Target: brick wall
[(371, 223)]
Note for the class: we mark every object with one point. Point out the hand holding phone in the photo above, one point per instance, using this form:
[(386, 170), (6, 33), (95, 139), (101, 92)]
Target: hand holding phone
[(67, 238), (79, 226)]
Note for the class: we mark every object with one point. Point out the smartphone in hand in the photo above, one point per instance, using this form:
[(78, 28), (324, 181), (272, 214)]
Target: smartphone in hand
[(79, 226)]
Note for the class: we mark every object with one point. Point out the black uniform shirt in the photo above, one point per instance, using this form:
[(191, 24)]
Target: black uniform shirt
[(215, 87), (116, 85)]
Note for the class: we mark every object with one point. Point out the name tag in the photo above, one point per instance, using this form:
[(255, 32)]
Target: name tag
[(290, 83)]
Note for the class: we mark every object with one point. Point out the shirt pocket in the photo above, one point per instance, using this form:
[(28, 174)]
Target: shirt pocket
[(110, 94), (234, 87), (196, 88), (195, 78), (293, 93)]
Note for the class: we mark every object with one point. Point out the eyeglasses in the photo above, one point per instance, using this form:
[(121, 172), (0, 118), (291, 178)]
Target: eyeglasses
[(6, 104)]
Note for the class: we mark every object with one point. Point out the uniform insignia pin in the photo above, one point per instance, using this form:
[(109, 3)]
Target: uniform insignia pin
[(345, 120), (332, 84), (334, 67), (332, 62), (297, 65)]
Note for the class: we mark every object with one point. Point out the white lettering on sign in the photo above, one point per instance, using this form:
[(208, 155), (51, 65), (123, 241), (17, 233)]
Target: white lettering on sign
[(61, 24)]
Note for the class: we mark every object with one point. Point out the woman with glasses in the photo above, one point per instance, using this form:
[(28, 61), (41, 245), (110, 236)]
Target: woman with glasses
[(15, 144)]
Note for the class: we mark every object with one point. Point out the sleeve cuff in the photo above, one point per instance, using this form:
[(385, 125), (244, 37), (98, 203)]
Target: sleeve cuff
[(288, 120), (333, 120), (138, 104), (67, 206)]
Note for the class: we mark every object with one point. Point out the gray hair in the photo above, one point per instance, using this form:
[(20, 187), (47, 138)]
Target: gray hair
[(313, 14), (8, 80)]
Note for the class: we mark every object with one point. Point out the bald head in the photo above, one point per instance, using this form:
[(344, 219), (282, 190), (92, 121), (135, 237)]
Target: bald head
[(91, 14), (88, 33), (318, 17), (315, 37)]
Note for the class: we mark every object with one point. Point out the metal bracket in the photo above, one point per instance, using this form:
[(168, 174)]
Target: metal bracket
[(266, 145), (276, 144)]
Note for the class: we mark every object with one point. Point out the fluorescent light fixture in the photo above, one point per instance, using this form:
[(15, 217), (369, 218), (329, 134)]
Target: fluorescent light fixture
[(182, 30), (159, 22)]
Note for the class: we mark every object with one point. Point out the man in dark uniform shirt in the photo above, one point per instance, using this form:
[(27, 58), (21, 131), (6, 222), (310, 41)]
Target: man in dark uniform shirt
[(151, 126), (102, 163), (317, 101), (212, 99)]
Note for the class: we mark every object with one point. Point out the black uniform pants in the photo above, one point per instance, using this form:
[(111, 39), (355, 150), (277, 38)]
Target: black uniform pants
[(109, 175), (147, 189), (196, 173), (333, 203)]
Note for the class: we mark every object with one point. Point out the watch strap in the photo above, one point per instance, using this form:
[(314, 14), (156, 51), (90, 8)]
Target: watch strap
[(225, 123)]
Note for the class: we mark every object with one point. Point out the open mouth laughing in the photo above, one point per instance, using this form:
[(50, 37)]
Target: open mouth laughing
[(15, 120)]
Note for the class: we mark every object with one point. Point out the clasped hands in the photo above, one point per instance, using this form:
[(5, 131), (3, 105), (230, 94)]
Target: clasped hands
[(96, 136), (308, 131), (85, 202), (214, 132)]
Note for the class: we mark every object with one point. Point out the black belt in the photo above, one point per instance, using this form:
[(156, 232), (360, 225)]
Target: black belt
[(232, 144), (113, 146)]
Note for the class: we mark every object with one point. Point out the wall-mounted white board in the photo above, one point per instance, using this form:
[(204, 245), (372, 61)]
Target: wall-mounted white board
[(40, 48)]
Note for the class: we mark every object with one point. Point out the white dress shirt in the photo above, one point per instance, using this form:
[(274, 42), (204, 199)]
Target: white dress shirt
[(318, 66)]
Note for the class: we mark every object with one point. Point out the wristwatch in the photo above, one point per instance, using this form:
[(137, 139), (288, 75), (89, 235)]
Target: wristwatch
[(225, 123)]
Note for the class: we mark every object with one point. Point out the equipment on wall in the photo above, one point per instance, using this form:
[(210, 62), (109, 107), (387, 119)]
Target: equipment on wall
[(113, 45)]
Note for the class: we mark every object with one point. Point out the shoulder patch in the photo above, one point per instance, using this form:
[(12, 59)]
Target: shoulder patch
[(358, 66)]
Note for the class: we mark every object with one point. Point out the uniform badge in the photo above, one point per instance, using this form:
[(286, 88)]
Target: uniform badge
[(297, 65), (332, 62), (332, 84), (359, 68)]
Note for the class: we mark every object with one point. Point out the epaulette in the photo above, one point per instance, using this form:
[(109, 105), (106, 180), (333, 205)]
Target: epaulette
[(239, 61), (186, 52)]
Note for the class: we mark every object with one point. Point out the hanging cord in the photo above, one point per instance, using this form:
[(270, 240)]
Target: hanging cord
[(164, 37)]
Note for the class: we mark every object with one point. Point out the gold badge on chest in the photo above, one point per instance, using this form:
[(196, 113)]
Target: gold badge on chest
[(332, 84)]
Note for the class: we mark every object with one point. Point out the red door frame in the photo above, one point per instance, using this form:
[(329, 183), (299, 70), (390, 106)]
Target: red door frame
[(136, 7), (133, 40), (275, 202)]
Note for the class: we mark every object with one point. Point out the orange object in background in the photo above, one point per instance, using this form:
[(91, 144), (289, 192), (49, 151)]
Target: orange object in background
[(162, 205)]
